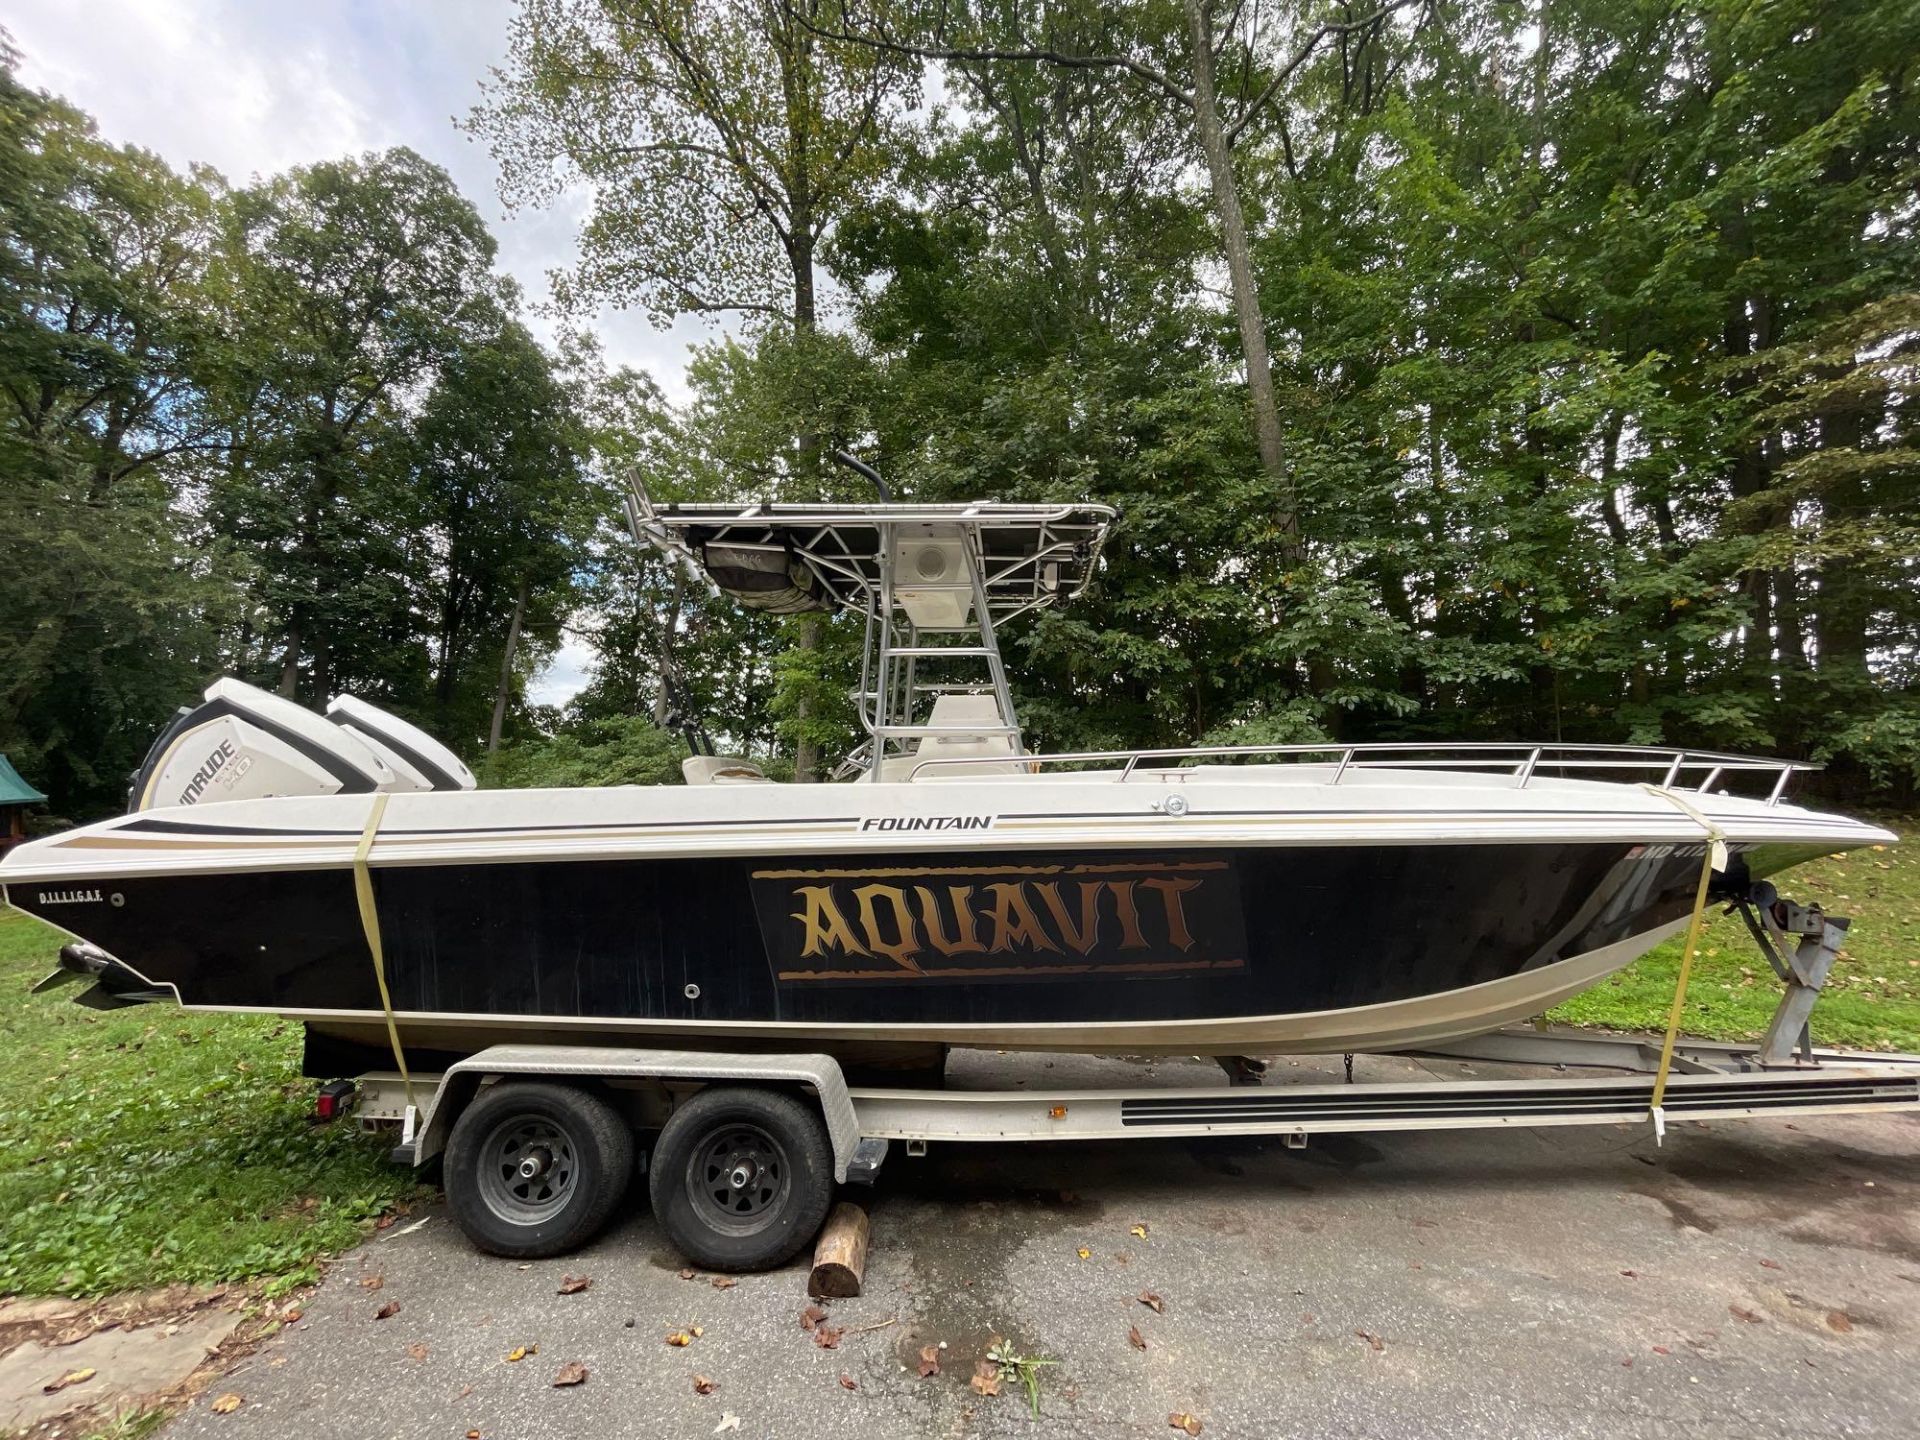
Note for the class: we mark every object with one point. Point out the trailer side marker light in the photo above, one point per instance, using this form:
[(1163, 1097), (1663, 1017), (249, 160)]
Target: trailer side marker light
[(333, 1100), (1058, 1112)]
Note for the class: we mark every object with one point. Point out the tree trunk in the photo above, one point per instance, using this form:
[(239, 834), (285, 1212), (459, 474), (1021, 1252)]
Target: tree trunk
[(806, 750), (798, 94), (506, 670), (290, 661), (665, 701), (1212, 135)]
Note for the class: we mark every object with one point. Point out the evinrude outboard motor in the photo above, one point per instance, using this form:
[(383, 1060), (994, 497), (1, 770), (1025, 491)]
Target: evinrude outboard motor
[(409, 751), (243, 743)]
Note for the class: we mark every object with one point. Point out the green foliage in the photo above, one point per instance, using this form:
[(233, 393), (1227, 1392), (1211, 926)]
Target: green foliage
[(718, 142), (1593, 329), (296, 432), (625, 750), (105, 615), (144, 1146)]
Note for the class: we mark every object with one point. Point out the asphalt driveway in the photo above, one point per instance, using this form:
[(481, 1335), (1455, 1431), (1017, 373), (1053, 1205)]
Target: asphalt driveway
[(1749, 1280)]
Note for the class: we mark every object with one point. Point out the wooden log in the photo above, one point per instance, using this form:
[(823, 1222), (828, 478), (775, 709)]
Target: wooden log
[(840, 1259)]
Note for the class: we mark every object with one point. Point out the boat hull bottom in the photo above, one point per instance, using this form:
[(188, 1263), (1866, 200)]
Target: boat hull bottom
[(342, 1042)]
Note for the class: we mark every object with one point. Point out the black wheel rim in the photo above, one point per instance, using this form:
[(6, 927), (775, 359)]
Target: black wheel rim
[(529, 1168), (738, 1179)]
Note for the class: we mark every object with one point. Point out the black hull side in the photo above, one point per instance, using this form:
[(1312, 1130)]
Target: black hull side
[(1036, 938)]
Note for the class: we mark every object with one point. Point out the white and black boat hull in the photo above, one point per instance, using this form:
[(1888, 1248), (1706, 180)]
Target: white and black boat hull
[(1219, 949)]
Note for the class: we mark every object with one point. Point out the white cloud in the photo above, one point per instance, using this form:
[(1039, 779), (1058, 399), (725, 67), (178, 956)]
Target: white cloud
[(254, 88), (565, 675)]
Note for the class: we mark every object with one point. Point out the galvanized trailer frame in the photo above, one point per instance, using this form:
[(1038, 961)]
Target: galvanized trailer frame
[(1714, 1082)]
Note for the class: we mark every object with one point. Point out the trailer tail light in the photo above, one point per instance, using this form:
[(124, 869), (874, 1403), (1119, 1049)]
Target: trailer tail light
[(335, 1099)]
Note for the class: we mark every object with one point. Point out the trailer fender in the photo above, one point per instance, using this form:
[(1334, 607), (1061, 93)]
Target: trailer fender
[(819, 1074)]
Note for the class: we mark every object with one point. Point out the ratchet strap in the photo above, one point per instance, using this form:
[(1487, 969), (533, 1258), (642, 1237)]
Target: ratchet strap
[(1715, 859), (370, 922)]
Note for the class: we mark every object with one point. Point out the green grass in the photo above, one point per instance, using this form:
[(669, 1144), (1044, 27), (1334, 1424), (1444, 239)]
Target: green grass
[(147, 1146), (129, 1425), (1871, 1001)]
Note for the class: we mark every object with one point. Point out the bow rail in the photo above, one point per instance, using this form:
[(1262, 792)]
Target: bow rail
[(1521, 762)]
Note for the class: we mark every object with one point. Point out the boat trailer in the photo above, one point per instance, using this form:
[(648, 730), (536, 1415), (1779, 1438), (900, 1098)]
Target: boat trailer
[(723, 1124)]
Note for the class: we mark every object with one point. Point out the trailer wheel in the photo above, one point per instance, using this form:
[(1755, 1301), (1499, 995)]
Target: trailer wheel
[(741, 1178), (534, 1169)]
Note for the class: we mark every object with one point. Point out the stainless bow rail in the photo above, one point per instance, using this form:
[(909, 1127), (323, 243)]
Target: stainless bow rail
[(1521, 762)]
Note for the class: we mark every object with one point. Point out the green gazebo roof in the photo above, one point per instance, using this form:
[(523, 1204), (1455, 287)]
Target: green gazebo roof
[(14, 790)]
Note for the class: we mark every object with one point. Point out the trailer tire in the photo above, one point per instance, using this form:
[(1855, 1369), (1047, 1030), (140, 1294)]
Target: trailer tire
[(741, 1178), (583, 1151)]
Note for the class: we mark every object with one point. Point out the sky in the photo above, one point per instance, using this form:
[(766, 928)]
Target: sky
[(255, 86)]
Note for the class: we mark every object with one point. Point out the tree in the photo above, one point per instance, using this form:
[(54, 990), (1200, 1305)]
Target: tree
[(504, 509), (105, 616), (721, 141), (1180, 56), (347, 286)]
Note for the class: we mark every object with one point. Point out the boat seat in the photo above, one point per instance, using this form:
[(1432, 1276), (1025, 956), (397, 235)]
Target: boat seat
[(958, 711), (722, 770)]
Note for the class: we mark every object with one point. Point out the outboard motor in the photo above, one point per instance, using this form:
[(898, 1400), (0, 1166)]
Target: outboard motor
[(411, 753), (244, 743)]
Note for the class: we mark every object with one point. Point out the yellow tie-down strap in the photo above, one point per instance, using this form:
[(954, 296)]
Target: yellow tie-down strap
[(1716, 859), (370, 922)]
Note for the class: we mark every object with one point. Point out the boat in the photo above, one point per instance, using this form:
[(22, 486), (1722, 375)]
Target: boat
[(956, 890)]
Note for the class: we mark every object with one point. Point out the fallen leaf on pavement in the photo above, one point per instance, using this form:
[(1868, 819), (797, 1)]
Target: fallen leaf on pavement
[(1152, 1301), (1135, 1338), (703, 1386), (226, 1404), (1628, 1362), (387, 1311), (1139, 1232), (847, 1382), (372, 1282), (1631, 1274), (728, 1421), (827, 1337), (689, 1274), (1084, 1253), (929, 1360), (1740, 1312), (571, 1373), (986, 1378), (811, 1316), (520, 1352), (72, 1377), (416, 1351), (1426, 1224), (679, 1337), (1372, 1339), (1839, 1320), (1661, 1350), (724, 1282), (1769, 1264), (385, 1222), (1180, 1420), (573, 1284)]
